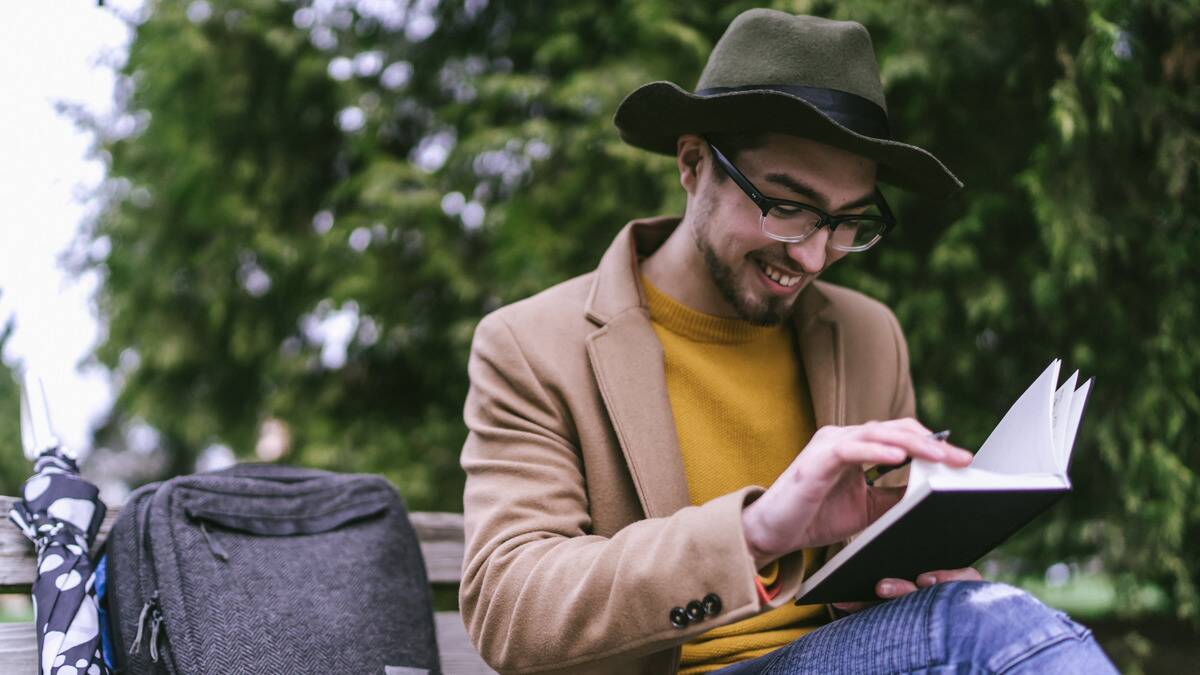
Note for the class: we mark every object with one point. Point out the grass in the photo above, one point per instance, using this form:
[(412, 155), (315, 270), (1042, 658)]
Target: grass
[(15, 608), (1094, 596)]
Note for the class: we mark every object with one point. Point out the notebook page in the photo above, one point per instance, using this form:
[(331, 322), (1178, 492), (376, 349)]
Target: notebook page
[(1023, 442), (1077, 403), (1060, 419), (925, 475)]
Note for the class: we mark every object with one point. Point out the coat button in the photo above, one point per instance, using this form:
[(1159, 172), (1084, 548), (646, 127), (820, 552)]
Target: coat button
[(712, 604), (679, 617), (695, 611)]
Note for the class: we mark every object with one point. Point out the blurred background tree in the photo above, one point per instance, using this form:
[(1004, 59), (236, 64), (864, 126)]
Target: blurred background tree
[(14, 468), (310, 205)]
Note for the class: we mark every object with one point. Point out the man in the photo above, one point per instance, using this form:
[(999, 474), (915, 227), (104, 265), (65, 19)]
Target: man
[(622, 422)]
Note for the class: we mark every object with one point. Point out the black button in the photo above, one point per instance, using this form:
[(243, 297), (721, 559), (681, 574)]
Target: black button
[(679, 617), (695, 611), (712, 604)]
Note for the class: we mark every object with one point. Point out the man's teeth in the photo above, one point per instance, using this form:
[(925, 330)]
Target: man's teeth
[(777, 276)]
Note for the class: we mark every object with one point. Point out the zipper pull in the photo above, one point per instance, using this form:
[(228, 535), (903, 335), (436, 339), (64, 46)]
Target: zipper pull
[(149, 607), (155, 623), (213, 545), (136, 647)]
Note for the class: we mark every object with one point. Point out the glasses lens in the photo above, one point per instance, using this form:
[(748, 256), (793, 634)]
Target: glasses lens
[(856, 235), (787, 221)]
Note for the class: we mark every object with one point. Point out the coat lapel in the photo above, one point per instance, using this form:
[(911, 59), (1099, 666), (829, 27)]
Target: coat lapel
[(821, 352), (627, 361)]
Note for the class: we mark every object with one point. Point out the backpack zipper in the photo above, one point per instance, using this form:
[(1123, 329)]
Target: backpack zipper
[(115, 600), (151, 611), (156, 619), (214, 546)]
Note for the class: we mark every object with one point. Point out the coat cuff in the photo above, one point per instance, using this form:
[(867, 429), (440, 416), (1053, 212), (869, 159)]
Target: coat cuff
[(783, 576)]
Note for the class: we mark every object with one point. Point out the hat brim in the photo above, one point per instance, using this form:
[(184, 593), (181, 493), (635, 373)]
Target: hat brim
[(655, 115)]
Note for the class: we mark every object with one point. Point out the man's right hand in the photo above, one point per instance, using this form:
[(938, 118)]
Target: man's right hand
[(822, 497)]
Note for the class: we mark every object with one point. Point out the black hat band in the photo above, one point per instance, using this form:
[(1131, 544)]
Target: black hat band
[(853, 112)]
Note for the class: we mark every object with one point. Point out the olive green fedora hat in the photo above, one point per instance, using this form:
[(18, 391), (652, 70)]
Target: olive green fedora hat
[(801, 75)]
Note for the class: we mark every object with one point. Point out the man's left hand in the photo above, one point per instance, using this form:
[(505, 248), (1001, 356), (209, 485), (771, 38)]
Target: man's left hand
[(890, 589)]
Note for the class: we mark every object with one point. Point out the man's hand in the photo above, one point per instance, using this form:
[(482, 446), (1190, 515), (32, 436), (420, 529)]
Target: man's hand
[(890, 589), (822, 497)]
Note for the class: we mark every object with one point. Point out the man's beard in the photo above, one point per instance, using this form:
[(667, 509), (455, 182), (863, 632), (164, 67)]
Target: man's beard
[(769, 312)]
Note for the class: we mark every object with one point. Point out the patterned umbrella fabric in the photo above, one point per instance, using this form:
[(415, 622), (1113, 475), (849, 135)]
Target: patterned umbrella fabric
[(60, 513)]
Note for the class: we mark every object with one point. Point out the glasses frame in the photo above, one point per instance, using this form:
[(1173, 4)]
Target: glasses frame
[(765, 204)]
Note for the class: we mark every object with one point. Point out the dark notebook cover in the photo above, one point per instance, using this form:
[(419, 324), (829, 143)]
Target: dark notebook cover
[(945, 530)]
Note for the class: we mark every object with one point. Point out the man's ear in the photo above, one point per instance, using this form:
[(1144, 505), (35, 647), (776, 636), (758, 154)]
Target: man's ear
[(690, 153)]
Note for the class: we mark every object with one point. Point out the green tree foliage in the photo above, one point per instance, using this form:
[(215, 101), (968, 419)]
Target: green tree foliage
[(14, 468), (405, 168)]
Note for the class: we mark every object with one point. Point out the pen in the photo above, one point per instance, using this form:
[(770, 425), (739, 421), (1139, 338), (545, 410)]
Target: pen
[(874, 473)]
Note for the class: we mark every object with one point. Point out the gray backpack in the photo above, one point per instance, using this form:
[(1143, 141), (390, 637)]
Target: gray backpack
[(268, 569)]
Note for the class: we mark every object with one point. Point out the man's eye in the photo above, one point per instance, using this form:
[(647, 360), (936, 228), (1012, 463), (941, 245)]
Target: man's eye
[(787, 211)]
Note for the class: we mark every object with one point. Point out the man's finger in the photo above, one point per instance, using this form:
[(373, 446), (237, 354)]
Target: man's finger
[(942, 576), (866, 452), (917, 445), (852, 607), (914, 425), (893, 588)]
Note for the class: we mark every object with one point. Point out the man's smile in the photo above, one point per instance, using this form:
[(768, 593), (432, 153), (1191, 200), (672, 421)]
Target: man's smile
[(783, 281)]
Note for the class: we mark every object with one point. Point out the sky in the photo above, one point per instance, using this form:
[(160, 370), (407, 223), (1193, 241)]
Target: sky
[(53, 52)]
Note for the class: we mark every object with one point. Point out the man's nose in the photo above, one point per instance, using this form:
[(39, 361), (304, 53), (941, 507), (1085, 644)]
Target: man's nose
[(810, 253)]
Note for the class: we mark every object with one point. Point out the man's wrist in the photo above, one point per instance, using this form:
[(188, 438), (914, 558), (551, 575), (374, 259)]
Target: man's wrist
[(752, 532)]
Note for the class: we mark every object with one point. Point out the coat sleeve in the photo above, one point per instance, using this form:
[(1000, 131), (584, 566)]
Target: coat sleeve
[(539, 591)]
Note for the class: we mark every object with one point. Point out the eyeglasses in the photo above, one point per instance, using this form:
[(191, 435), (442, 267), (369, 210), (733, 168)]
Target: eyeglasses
[(792, 222)]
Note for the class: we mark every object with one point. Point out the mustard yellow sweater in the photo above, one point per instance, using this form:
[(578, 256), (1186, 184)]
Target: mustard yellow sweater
[(742, 412)]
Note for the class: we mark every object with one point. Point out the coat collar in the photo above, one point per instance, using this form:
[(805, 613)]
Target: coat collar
[(627, 360), (617, 286)]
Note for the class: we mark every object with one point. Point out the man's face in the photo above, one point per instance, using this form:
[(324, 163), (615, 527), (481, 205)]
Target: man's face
[(760, 278)]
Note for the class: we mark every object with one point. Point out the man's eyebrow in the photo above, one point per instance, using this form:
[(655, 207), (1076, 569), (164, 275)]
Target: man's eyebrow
[(809, 192)]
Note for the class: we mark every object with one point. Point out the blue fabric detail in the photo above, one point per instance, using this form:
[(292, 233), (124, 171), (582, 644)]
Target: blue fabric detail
[(106, 643)]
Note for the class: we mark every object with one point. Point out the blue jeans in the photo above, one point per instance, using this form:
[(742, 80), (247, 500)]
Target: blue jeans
[(955, 627)]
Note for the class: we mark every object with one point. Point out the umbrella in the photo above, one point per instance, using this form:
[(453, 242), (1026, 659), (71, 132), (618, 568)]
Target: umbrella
[(61, 513)]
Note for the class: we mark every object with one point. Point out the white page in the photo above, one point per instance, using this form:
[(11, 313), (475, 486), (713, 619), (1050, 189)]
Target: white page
[(941, 477), (1023, 442), (925, 475), (1060, 419), (1077, 402)]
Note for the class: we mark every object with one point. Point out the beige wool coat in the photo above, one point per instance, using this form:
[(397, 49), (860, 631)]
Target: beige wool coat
[(580, 537)]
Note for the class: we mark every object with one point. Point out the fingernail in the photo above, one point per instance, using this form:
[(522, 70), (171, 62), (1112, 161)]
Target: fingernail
[(886, 589), (926, 580)]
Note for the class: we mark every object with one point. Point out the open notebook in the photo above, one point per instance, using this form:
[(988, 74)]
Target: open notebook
[(949, 518)]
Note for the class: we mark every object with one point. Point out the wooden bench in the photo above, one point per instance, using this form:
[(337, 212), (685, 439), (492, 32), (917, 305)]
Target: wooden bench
[(441, 536)]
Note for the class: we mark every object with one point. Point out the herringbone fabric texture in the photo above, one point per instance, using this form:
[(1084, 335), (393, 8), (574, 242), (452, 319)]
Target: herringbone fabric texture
[(266, 569)]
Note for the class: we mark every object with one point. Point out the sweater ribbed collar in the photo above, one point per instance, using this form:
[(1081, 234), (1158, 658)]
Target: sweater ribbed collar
[(698, 326)]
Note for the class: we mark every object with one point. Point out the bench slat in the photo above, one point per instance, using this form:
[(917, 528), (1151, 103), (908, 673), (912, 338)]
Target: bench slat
[(18, 648), (441, 536), (457, 653)]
